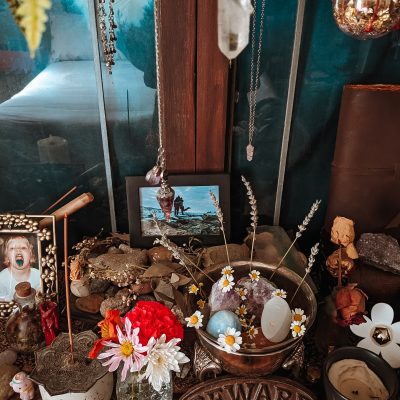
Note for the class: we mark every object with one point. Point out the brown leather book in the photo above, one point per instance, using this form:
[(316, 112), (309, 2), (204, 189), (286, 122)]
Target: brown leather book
[(365, 181)]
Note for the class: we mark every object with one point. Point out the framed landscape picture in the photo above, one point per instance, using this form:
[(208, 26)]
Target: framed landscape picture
[(193, 213)]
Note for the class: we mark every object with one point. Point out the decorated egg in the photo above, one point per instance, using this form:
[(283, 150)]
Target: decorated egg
[(222, 320), (276, 319)]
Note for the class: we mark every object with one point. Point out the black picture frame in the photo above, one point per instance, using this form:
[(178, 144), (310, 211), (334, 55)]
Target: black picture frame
[(134, 184)]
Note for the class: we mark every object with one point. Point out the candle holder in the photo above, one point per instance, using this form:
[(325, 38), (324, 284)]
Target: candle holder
[(379, 366)]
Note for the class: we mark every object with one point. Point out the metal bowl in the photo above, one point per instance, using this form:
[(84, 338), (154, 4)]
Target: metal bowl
[(258, 362)]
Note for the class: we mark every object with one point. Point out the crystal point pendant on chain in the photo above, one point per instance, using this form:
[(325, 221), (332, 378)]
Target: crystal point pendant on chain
[(165, 198), (153, 176), (249, 152), (233, 26)]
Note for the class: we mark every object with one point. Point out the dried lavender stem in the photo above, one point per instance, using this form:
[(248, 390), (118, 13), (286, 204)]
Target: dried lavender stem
[(284, 256), (298, 287)]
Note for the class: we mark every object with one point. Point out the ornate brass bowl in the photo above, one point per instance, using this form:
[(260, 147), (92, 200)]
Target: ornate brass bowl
[(258, 362)]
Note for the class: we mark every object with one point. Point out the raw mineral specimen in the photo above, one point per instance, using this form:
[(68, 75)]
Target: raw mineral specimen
[(383, 251), (219, 300), (258, 293)]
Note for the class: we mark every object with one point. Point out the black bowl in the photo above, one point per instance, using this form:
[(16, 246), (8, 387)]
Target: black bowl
[(377, 364)]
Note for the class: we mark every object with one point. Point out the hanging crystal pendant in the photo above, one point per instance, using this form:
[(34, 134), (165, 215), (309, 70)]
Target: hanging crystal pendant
[(233, 26), (366, 19), (165, 197)]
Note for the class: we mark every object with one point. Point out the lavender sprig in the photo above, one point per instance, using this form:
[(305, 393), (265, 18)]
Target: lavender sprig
[(253, 215), (220, 217), (311, 261), (299, 233)]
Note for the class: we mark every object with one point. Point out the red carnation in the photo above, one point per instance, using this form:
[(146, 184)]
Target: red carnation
[(154, 319)]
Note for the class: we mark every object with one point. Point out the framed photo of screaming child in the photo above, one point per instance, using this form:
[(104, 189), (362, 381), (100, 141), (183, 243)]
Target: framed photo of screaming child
[(191, 213), (27, 254)]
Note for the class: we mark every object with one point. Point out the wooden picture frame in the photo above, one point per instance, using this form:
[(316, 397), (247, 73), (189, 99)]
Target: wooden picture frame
[(27, 253), (194, 216)]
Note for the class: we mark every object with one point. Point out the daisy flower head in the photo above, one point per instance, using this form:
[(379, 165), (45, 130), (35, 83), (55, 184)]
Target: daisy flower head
[(241, 311), (280, 293), (254, 275), (297, 328), (242, 292), (243, 322), (128, 350), (252, 332), (162, 358), (298, 315), (230, 340), (228, 270), (226, 283), (193, 289), (195, 320), (201, 303)]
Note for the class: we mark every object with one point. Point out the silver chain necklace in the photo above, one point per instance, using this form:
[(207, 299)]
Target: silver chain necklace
[(254, 77)]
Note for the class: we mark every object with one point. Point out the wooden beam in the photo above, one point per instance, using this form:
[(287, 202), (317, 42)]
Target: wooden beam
[(212, 91), (178, 52)]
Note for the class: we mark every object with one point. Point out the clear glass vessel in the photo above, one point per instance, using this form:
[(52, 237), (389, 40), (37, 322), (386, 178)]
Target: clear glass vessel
[(134, 389), (23, 328)]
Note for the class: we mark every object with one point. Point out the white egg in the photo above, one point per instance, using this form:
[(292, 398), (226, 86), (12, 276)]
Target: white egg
[(276, 319)]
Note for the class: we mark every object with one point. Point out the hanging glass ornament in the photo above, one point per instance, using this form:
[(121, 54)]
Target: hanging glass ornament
[(165, 197), (366, 19), (233, 26)]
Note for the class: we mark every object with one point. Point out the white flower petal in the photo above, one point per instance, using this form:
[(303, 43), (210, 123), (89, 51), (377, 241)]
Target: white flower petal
[(391, 354), (368, 344), (396, 331), (362, 330), (382, 313)]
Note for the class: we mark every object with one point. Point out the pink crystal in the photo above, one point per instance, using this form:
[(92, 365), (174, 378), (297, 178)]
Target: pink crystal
[(218, 300)]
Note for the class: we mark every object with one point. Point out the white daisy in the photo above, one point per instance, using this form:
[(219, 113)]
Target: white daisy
[(242, 292), (195, 320), (241, 311), (201, 303), (252, 332), (280, 293), (193, 289), (228, 270), (161, 359), (243, 322), (226, 283), (230, 340), (297, 328), (380, 334), (254, 275), (298, 315)]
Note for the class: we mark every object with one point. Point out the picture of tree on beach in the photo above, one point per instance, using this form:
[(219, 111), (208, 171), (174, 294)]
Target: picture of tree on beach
[(193, 212)]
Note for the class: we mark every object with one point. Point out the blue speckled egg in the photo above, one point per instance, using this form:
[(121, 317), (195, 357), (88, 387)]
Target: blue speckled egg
[(222, 320)]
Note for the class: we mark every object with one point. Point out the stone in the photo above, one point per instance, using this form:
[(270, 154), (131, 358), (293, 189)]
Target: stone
[(380, 250), (112, 291), (159, 254), (7, 372), (258, 293), (218, 300), (90, 304), (98, 285), (276, 319), (118, 302), (79, 288), (114, 250), (8, 357), (217, 254), (222, 320), (142, 287)]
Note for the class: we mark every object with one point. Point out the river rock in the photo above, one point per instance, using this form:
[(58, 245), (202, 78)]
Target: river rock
[(159, 254), (218, 300), (217, 254), (8, 357), (7, 372), (117, 302), (98, 285), (258, 293), (79, 288), (90, 304)]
